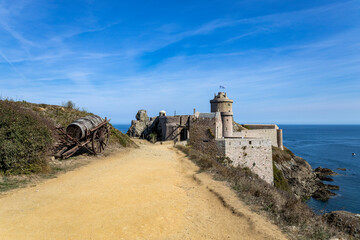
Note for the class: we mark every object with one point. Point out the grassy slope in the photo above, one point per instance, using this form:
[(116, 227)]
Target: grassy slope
[(27, 135), (63, 116)]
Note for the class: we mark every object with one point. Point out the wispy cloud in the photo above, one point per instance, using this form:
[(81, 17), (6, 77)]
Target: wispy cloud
[(296, 61), (12, 66)]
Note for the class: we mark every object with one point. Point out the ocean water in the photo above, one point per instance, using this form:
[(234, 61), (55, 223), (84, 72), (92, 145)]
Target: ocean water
[(122, 127), (328, 146)]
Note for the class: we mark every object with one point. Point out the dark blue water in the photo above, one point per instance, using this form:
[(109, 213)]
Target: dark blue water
[(326, 146), (330, 146), (122, 127)]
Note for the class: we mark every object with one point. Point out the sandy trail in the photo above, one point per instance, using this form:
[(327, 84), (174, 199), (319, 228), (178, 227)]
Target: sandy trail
[(146, 193)]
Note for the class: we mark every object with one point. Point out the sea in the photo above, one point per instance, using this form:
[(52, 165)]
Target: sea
[(122, 127), (329, 146)]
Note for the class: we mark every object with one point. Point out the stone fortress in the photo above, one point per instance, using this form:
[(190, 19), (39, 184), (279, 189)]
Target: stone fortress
[(216, 133)]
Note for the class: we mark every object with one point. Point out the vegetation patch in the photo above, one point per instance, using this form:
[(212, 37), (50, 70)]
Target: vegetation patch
[(25, 139), (210, 133), (280, 156), (118, 137), (279, 180), (27, 135), (289, 213), (7, 184)]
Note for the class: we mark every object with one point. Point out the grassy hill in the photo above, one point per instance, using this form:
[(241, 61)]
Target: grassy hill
[(27, 135)]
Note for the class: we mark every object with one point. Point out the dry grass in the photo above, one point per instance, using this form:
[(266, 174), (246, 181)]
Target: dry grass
[(283, 208)]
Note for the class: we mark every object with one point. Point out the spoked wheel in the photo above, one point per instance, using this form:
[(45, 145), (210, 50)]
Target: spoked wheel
[(100, 139)]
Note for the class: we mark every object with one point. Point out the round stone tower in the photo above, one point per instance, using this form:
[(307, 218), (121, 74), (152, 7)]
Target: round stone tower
[(221, 103)]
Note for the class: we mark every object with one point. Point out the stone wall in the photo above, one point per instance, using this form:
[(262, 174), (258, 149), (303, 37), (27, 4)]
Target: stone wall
[(169, 127), (269, 134), (204, 131), (261, 126), (256, 154), (221, 106)]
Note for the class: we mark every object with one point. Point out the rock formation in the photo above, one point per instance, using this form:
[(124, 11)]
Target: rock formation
[(143, 127), (139, 125), (303, 180)]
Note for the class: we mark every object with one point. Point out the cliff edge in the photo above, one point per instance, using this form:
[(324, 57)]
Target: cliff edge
[(303, 180)]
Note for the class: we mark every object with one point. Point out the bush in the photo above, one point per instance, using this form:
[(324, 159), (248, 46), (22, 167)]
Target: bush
[(69, 104), (279, 180), (25, 139), (152, 137)]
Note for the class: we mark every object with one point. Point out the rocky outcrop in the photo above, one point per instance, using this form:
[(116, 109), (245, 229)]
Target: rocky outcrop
[(142, 116), (143, 127), (344, 221), (323, 192), (304, 182), (324, 171), (139, 125)]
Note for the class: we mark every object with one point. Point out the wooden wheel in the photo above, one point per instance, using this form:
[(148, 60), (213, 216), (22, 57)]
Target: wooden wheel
[(100, 139)]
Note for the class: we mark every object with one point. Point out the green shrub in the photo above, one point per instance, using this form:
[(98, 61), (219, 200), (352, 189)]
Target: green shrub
[(152, 137), (69, 104), (279, 180), (25, 139)]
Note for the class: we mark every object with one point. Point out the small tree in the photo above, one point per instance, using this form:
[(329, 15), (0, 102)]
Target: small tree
[(69, 104)]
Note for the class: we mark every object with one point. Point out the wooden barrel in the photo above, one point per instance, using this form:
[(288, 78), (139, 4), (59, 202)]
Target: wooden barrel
[(78, 128)]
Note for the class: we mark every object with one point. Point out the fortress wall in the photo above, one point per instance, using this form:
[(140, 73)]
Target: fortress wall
[(169, 127), (261, 126), (256, 154), (203, 132), (270, 134)]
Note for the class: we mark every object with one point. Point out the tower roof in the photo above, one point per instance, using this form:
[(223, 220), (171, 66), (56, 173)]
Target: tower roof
[(221, 97)]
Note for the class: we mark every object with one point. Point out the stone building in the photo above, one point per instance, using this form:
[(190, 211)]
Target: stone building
[(249, 145)]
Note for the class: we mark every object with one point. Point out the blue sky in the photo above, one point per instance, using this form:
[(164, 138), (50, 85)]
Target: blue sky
[(281, 61)]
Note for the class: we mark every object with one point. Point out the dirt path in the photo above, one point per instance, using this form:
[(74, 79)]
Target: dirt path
[(145, 193)]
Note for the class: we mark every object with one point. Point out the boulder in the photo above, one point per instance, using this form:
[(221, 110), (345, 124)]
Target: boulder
[(141, 115)]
